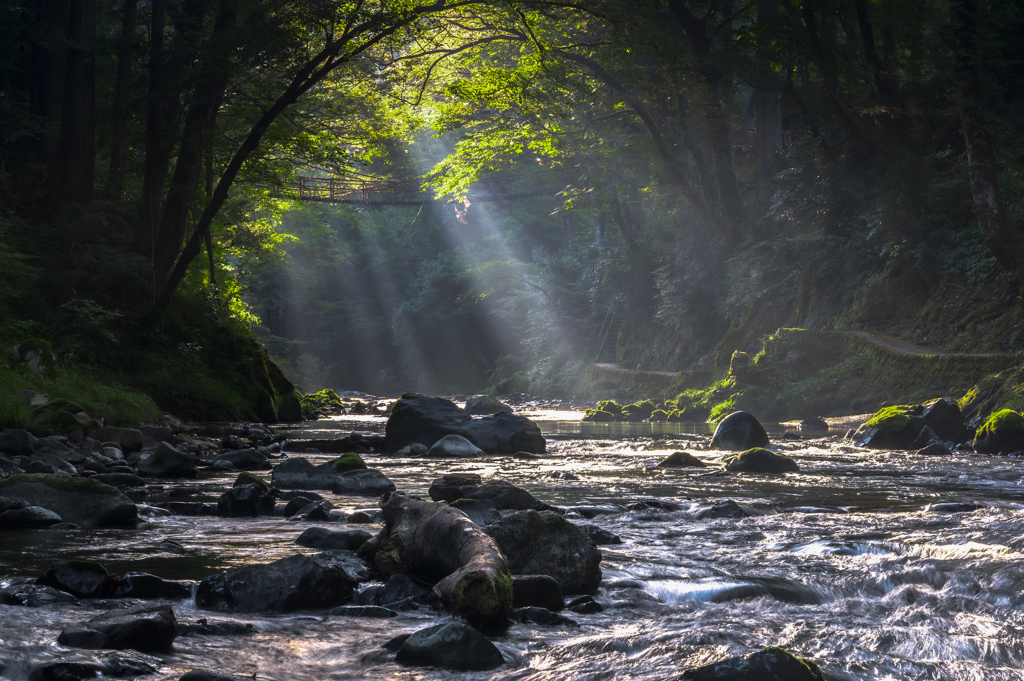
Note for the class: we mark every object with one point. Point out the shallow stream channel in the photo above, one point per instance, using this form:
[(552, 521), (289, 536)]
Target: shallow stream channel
[(856, 562)]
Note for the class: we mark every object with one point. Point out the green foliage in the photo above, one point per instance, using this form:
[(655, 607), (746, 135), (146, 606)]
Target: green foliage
[(249, 478), (892, 417), (1002, 420)]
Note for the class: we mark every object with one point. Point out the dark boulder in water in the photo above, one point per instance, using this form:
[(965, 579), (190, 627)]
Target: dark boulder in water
[(537, 590), (548, 544), (82, 501), (542, 616), (760, 460), (321, 538), (502, 495), (245, 501), (422, 419), (294, 583), (167, 462), (372, 611), (601, 536), (112, 666), (143, 585), (739, 431), (144, 628), (485, 405), (769, 664), (480, 511), (724, 509), (681, 460), (81, 578), (585, 605), (244, 460), (1003, 431), (452, 645)]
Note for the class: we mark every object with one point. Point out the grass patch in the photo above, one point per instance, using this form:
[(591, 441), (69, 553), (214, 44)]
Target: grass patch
[(348, 461)]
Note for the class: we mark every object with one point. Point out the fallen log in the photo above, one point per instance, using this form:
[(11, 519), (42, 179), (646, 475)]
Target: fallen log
[(439, 542)]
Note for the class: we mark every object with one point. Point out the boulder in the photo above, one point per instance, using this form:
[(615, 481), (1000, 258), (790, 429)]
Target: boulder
[(769, 664), (422, 419), (7, 468), (32, 595), (412, 450), (723, 509), (316, 511), (30, 517), (297, 503), (17, 442), (480, 511), (145, 628), (537, 590), (542, 616), (244, 460), (758, 460), (585, 605), (113, 666), (739, 431), (681, 460), (167, 462), (375, 611), (294, 583), (1003, 431), (452, 645), (145, 586), (128, 439), (120, 479), (80, 578), (814, 423), (502, 495), (82, 501), (454, 447), (246, 501), (935, 449), (321, 538), (368, 482), (926, 437), (545, 543), (341, 474), (601, 536), (485, 405), (158, 433), (944, 417)]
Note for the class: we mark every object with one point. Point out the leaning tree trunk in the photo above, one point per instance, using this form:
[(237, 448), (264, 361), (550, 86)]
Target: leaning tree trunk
[(436, 540), (1002, 234)]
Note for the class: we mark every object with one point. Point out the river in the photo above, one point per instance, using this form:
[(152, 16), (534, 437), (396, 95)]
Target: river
[(845, 565)]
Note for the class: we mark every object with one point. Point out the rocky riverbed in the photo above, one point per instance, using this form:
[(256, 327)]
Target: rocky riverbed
[(873, 563)]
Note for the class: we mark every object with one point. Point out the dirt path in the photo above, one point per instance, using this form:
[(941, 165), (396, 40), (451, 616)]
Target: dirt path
[(910, 349)]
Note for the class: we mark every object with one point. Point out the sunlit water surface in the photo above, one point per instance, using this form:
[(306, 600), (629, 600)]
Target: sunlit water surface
[(844, 566)]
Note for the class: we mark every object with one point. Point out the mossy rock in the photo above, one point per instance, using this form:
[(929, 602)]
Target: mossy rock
[(349, 461), (599, 416), (638, 411), (247, 478), (266, 410), (610, 406), (83, 501), (760, 460), (681, 460), (890, 428), (37, 355), (1003, 431), (658, 416), (289, 407)]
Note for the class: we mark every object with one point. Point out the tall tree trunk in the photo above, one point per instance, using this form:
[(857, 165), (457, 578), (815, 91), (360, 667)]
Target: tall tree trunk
[(77, 156), (119, 132), (156, 153), (49, 62), (199, 124), (767, 103), (1004, 236)]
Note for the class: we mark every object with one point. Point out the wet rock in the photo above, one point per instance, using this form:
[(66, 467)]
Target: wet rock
[(400, 589), (944, 418), (585, 605), (542, 616), (954, 507), (167, 462), (769, 664), (317, 511), (247, 501), (723, 509), (291, 495), (659, 504), (548, 544), (17, 442), (926, 437), (293, 583), (601, 536), (935, 449), (364, 517), (145, 586), (760, 460), (297, 503), (480, 511), (127, 439), (112, 666), (1003, 431), (30, 517), (485, 405), (81, 578), (120, 479), (814, 423), (158, 433), (537, 590), (681, 460), (412, 450), (7, 468), (452, 645), (244, 460), (367, 482), (300, 473), (208, 675), (454, 447), (208, 627), (144, 628), (418, 418), (739, 431), (562, 475), (589, 512), (374, 611), (33, 595), (502, 495), (395, 644)]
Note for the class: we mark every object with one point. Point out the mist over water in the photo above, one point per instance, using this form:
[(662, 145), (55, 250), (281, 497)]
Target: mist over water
[(845, 566)]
